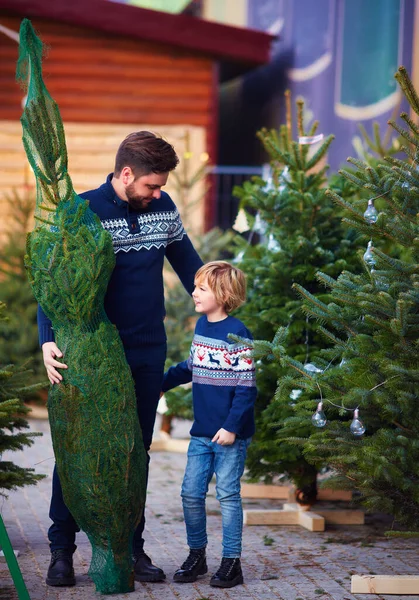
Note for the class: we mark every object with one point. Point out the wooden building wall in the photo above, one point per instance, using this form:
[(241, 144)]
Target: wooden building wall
[(99, 78), (107, 87)]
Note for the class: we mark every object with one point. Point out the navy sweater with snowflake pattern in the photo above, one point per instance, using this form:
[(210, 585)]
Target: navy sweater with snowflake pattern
[(134, 301), (223, 379)]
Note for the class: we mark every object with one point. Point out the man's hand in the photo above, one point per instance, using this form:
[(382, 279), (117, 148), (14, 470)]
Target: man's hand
[(50, 352), (224, 437)]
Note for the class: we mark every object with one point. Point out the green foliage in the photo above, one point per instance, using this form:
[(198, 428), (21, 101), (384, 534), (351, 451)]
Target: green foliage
[(300, 232), (372, 320), (14, 388), (19, 332), (375, 147), (268, 541)]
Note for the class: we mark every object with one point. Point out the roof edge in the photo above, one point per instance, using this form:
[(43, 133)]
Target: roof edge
[(214, 39)]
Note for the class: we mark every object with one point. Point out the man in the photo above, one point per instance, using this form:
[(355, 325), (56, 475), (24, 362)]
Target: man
[(145, 227)]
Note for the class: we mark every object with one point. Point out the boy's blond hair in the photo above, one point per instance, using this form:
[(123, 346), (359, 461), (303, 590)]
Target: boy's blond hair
[(227, 283)]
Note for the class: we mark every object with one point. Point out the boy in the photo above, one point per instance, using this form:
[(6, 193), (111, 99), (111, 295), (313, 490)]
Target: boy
[(224, 393)]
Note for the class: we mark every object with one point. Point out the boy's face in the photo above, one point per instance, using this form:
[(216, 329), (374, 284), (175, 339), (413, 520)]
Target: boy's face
[(205, 301)]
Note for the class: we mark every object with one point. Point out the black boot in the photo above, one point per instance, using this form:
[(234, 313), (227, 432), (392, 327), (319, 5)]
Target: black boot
[(229, 573), (193, 566), (144, 570), (60, 570)]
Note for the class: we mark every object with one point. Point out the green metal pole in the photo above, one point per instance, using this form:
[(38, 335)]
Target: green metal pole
[(15, 572)]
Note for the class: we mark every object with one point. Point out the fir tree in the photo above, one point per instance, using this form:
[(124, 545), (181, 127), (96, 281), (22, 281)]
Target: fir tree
[(13, 388), (371, 320), (300, 232), (19, 332)]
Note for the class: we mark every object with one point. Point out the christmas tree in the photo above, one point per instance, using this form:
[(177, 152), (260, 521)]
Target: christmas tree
[(14, 387), (367, 384), (19, 332), (300, 232), (96, 435)]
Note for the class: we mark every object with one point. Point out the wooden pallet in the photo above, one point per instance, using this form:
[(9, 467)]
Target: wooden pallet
[(385, 584)]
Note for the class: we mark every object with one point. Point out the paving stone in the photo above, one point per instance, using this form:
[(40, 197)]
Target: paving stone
[(299, 564)]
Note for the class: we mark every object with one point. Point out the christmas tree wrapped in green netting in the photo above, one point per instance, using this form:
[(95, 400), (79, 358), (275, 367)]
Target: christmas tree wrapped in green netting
[(95, 430)]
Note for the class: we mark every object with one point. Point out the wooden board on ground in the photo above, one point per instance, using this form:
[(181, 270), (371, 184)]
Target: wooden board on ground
[(170, 445), (385, 584), (260, 490), (287, 492), (311, 521), (271, 517), (341, 517), (294, 514), (327, 494), (37, 412), (331, 515)]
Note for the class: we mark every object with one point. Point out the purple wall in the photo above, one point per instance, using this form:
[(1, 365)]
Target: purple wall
[(339, 55)]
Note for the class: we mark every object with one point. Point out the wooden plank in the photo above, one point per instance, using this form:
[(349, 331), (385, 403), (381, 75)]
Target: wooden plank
[(170, 445), (287, 492), (138, 101), (327, 494), (311, 521), (385, 584), (119, 116), (142, 72), (331, 515), (270, 517), (37, 412), (341, 517), (142, 89), (260, 490), (157, 56)]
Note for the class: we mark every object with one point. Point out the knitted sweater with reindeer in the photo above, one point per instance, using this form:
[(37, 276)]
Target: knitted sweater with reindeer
[(223, 379)]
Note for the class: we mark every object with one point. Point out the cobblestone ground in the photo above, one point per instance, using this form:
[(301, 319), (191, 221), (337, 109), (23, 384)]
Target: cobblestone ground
[(287, 563)]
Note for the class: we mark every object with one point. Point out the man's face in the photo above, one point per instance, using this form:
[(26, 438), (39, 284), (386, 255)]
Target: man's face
[(142, 190)]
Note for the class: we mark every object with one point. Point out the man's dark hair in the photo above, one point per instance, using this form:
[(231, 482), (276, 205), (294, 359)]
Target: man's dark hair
[(144, 152)]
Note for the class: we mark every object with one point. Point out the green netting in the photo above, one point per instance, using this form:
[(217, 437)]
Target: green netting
[(95, 430)]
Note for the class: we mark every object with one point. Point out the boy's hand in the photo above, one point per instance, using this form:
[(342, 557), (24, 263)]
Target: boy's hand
[(224, 437), (50, 352)]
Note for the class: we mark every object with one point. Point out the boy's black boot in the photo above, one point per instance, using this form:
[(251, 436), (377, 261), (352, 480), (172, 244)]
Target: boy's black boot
[(60, 570), (229, 573), (194, 565)]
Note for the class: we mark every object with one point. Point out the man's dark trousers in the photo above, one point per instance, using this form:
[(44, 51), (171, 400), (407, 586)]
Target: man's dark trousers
[(147, 367)]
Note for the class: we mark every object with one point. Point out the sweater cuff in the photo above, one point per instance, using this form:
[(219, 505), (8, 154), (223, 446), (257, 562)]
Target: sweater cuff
[(164, 387), (232, 427), (46, 334)]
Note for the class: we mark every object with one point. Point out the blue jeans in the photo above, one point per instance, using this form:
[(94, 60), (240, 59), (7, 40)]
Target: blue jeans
[(147, 367), (227, 462)]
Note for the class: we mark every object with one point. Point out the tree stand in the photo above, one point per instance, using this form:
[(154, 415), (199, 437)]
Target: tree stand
[(293, 513)]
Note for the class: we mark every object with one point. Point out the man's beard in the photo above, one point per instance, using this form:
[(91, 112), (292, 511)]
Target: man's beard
[(134, 200)]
